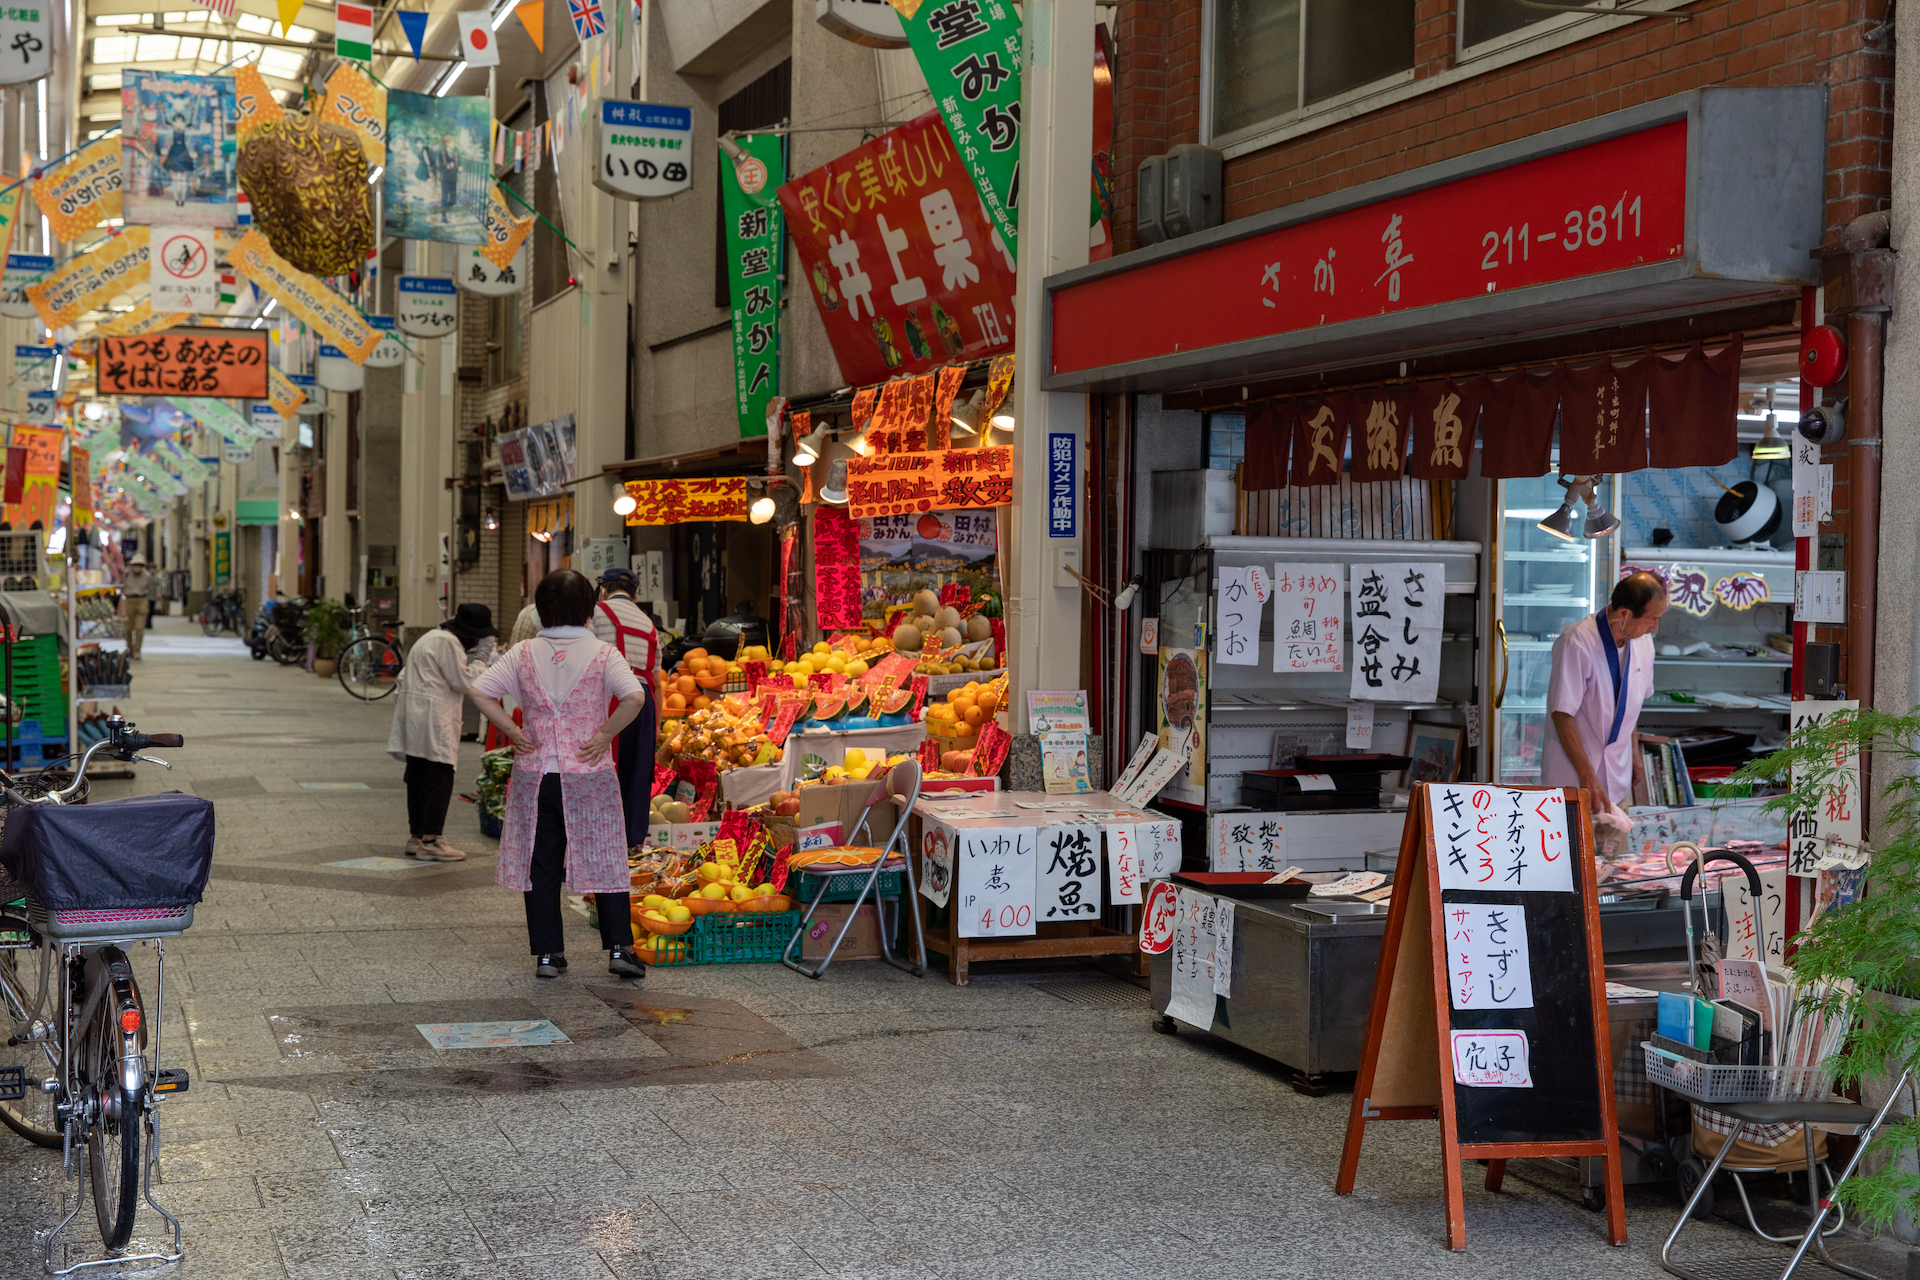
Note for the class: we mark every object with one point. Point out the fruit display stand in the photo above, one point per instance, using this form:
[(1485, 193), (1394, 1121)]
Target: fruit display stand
[(1112, 931), (704, 906)]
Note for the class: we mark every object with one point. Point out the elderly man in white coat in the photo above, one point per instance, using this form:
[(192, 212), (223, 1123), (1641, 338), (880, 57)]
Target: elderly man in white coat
[(1602, 672), (426, 721)]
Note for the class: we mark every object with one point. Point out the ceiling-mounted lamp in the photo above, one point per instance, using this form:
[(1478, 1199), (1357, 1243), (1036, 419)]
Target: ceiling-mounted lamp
[(966, 413), (1560, 523), (808, 450), (541, 535), (1772, 446), (835, 489), (490, 521), (761, 509), (623, 501)]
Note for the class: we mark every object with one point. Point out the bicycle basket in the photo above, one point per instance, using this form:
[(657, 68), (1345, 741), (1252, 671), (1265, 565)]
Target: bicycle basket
[(140, 852)]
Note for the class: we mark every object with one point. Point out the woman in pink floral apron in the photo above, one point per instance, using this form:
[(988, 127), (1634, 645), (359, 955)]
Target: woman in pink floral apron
[(564, 814)]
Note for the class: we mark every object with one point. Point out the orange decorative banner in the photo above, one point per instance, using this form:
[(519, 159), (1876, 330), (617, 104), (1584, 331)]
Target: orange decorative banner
[(504, 232), (79, 284), (285, 398), (945, 480), (131, 324), (357, 104), (81, 465), (42, 488), (197, 362), (253, 101), (337, 319), (79, 195), (999, 379), (681, 501), (940, 429)]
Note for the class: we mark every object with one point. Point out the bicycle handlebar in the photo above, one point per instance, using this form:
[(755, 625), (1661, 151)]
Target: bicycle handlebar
[(121, 741)]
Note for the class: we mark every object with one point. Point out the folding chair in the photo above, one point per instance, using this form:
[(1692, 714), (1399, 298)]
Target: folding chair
[(902, 783), (1832, 1116)]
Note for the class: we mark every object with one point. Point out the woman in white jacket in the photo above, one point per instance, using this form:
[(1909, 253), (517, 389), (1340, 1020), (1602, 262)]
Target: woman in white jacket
[(426, 721)]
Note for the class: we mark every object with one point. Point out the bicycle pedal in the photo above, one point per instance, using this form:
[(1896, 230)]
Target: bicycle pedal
[(13, 1084), (170, 1080)]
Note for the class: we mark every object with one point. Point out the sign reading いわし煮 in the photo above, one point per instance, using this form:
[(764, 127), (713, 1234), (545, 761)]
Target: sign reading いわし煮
[(644, 150)]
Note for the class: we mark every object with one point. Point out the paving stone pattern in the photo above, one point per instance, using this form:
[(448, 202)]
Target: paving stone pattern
[(736, 1122)]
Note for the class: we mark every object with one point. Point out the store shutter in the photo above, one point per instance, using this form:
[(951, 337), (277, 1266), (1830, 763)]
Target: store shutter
[(1516, 426), (1693, 407)]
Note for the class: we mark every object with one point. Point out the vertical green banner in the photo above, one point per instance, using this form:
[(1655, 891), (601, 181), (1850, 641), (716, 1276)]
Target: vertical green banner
[(969, 51), (754, 240)]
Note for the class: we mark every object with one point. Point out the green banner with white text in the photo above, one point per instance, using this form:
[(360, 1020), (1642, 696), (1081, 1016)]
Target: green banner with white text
[(755, 237), (969, 51)]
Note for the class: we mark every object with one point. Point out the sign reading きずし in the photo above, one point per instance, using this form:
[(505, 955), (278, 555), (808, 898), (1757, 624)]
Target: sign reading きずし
[(644, 150)]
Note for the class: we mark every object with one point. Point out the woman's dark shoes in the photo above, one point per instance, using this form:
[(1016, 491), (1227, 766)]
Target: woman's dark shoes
[(549, 966), (623, 963)]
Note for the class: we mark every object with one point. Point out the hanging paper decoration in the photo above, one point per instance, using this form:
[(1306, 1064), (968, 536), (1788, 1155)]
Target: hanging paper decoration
[(587, 21), (177, 134), (863, 400), (415, 26), (282, 394), (359, 105), (337, 320), (533, 16), (288, 10), (477, 44), (80, 284), (142, 319), (505, 233), (83, 191), (437, 178), (940, 430), (1742, 591), (353, 32), (1687, 591), (253, 101), (836, 568), (307, 180), (999, 381)]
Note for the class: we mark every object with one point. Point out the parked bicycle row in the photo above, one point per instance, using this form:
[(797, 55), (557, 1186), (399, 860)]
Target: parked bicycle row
[(335, 636)]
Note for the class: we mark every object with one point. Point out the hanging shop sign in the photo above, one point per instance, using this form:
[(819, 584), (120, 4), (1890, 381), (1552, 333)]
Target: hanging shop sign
[(23, 269), (33, 367), (427, 306), (178, 146), (336, 372), (200, 362), (754, 238), (1647, 212), (183, 270), (337, 319), (267, 425), (308, 386), (682, 501), (872, 23), (901, 261), (79, 284), (644, 150), (78, 194), (10, 196), (943, 480), (389, 353), (489, 280), (26, 42), (970, 55), (222, 557), (235, 453)]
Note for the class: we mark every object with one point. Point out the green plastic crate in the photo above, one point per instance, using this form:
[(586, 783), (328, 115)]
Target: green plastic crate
[(746, 937), (802, 887)]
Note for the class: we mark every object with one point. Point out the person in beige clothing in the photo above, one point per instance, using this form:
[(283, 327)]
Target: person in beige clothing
[(134, 592)]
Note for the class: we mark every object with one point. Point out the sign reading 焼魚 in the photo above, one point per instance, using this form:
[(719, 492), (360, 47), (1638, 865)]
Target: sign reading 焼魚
[(427, 306), (754, 237), (644, 149)]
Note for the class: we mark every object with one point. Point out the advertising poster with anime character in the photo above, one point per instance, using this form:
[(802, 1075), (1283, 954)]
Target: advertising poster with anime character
[(436, 179), (178, 149)]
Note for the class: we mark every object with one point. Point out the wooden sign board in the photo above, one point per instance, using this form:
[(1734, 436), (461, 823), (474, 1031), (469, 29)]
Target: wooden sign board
[(1489, 1007), (197, 362)]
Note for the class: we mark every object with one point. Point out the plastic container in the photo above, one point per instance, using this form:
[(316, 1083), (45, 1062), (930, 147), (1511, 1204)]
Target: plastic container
[(756, 937), (801, 887), (32, 748), (1708, 1083)]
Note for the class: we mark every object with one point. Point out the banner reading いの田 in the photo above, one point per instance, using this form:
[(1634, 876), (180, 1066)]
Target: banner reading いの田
[(682, 501), (900, 256), (754, 237), (942, 480), (194, 362)]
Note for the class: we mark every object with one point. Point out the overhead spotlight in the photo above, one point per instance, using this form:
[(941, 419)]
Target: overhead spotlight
[(1560, 523), (490, 521), (808, 450), (861, 445), (623, 501), (1003, 418), (966, 414), (835, 489), (1772, 446), (1600, 522)]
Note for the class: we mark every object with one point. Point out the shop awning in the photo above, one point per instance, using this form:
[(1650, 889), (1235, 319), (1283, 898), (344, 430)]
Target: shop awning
[(1706, 201)]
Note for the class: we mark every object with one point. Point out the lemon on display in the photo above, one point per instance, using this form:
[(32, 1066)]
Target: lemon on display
[(713, 890), (678, 914), (739, 893)]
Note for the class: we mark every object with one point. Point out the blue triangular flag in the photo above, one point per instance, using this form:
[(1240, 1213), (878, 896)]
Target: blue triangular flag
[(415, 25)]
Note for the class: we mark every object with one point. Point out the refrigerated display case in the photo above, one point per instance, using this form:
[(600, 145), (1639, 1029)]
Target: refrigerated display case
[(1544, 583)]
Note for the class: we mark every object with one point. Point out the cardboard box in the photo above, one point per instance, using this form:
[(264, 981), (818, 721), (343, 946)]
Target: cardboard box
[(861, 943), (844, 804)]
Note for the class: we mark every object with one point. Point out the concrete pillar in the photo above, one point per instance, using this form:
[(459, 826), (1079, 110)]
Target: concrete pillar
[(336, 534), (286, 565), (1056, 139), (426, 458)]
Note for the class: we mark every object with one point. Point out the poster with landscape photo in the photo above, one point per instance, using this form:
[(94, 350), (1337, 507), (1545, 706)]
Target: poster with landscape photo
[(926, 550), (436, 178)]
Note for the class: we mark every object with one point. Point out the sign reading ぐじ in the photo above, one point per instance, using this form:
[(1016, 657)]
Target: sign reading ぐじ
[(644, 150)]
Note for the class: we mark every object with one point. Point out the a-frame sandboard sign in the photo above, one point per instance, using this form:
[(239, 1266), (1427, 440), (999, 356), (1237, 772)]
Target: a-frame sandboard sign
[(1490, 1005)]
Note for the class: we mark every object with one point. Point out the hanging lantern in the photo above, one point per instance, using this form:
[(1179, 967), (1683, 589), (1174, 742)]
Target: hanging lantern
[(308, 184)]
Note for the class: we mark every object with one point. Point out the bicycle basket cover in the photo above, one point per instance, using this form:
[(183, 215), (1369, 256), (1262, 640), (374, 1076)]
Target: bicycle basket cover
[(143, 851)]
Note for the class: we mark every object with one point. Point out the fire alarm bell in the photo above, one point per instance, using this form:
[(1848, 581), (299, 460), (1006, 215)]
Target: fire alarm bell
[(1823, 356)]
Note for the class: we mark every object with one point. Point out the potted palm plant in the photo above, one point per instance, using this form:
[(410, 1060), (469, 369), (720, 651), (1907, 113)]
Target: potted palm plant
[(327, 629)]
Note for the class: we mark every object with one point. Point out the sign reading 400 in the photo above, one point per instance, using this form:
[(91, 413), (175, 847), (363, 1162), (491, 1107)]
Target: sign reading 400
[(642, 150)]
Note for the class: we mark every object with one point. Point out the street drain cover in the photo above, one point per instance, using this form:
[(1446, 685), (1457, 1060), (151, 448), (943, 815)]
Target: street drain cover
[(1101, 993)]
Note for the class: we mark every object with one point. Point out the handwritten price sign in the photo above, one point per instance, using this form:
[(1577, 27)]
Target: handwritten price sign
[(1160, 918)]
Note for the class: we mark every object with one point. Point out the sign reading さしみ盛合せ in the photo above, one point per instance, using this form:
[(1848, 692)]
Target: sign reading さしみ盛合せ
[(644, 150), (1397, 612)]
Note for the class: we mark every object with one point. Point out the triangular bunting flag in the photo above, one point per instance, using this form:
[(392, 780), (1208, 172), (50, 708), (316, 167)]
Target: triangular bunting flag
[(533, 16), (289, 10), (415, 25)]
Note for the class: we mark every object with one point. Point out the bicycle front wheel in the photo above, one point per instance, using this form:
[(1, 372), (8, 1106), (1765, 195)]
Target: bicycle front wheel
[(27, 994), (281, 650), (113, 1138), (211, 623), (370, 668)]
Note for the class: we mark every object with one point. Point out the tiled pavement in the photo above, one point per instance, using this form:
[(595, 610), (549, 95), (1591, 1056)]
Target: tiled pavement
[(734, 1122)]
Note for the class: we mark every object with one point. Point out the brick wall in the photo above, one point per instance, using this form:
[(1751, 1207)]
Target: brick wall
[(1726, 42)]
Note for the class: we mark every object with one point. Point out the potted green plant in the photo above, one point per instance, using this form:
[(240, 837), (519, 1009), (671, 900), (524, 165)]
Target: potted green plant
[(1865, 940), (327, 629)]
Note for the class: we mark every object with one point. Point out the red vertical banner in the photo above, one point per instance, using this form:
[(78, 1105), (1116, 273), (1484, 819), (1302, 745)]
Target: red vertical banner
[(836, 568), (16, 486)]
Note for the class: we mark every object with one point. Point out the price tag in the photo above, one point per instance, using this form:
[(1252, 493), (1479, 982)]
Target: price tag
[(1360, 726)]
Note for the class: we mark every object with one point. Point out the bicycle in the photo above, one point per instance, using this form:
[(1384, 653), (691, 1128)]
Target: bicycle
[(221, 612), (369, 664), (75, 1067)]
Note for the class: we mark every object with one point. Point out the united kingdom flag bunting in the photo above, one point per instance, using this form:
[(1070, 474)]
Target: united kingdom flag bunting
[(587, 20)]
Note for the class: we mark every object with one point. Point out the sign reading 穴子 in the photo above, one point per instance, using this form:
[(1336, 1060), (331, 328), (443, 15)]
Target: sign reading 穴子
[(754, 237), (969, 51), (644, 150)]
